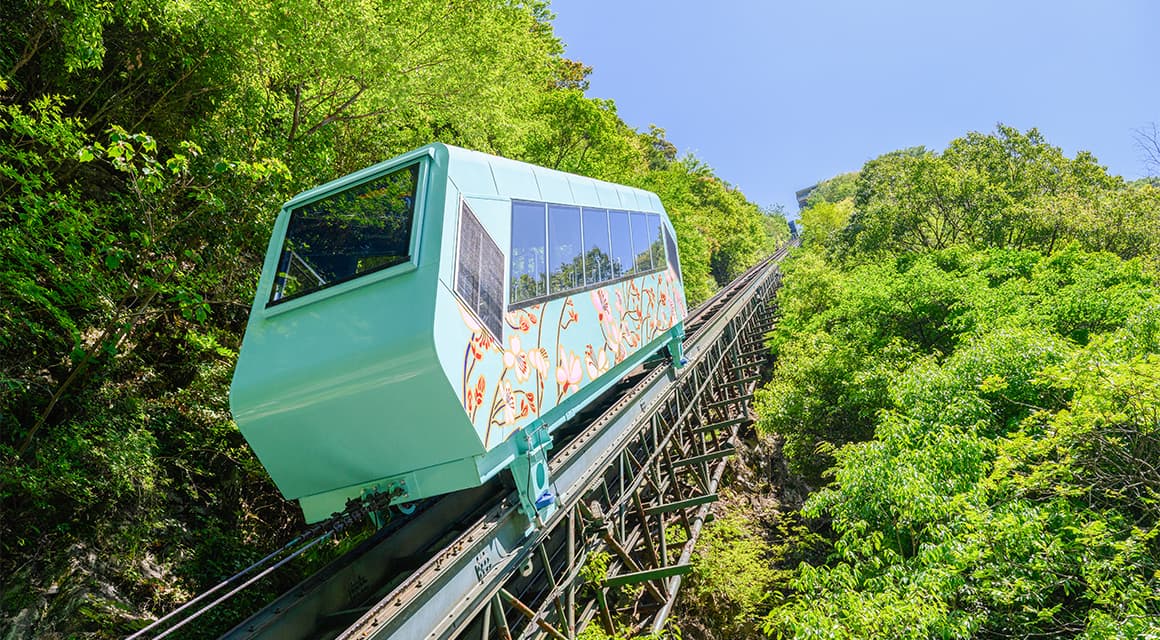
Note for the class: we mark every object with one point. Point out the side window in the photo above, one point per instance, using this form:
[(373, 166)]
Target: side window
[(479, 272), (364, 228), (529, 252), (658, 242), (565, 246), (673, 257), (641, 242), (559, 248), (597, 249), (622, 256)]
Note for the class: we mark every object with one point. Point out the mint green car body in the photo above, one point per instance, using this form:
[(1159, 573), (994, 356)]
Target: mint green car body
[(390, 382)]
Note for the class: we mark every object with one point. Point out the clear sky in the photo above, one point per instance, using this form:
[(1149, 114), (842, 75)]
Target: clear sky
[(779, 94)]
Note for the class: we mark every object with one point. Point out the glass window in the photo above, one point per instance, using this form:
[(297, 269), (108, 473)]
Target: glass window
[(467, 257), (565, 255), (361, 229), (641, 242), (658, 242), (529, 273), (672, 246), (479, 276), (622, 256), (597, 251)]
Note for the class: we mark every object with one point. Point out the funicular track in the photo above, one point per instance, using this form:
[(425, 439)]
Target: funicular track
[(644, 463)]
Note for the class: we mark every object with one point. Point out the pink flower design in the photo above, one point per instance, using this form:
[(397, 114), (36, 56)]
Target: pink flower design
[(520, 320), (631, 338), (590, 363), (469, 320), (474, 397), (515, 359), (527, 403), (600, 301), (569, 371), (596, 363), (538, 359)]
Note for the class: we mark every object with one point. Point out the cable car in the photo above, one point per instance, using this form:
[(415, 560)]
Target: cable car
[(425, 323)]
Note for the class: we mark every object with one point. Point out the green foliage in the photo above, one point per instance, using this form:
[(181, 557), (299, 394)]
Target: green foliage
[(823, 220), (732, 576), (145, 148), (593, 631), (995, 476), (841, 187), (946, 528), (595, 567), (1007, 189)]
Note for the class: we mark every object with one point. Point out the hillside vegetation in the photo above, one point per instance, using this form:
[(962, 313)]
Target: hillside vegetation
[(968, 375), (145, 148)]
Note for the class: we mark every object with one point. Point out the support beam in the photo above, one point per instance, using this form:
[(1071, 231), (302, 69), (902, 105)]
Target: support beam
[(721, 403), (720, 425), (716, 455), (681, 504), (648, 574), (501, 623), (531, 615), (631, 564), (645, 530)]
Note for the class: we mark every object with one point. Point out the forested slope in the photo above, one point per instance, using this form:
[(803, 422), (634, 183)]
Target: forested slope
[(968, 376), (145, 147)]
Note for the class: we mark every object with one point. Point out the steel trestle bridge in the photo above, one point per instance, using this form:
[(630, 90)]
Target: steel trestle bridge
[(635, 477)]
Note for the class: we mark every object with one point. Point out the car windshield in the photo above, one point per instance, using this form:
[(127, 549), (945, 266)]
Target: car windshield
[(364, 228)]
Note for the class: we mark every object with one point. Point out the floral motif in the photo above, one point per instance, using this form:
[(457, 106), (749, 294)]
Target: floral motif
[(527, 404), (600, 301), (568, 372), (628, 314), (597, 364), (522, 319), (509, 402), (516, 360), (538, 359), (474, 397)]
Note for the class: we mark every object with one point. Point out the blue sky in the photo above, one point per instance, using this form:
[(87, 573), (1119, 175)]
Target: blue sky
[(777, 95)]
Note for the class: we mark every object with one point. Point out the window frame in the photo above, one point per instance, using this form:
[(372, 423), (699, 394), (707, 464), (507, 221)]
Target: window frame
[(527, 302), (627, 239), (589, 241), (420, 157), (511, 274), (578, 239)]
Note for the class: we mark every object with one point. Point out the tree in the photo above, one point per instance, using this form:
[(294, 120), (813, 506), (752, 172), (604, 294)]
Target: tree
[(834, 190), (1148, 142), (968, 372), (145, 149), (822, 221), (1006, 189)]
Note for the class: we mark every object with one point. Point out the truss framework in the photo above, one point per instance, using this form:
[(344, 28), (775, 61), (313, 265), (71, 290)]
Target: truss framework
[(663, 482), (635, 490)]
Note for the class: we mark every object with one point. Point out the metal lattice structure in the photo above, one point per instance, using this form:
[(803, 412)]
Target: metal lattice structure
[(634, 484)]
